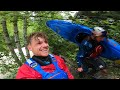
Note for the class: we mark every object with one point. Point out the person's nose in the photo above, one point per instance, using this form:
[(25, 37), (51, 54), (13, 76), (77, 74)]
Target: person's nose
[(45, 45)]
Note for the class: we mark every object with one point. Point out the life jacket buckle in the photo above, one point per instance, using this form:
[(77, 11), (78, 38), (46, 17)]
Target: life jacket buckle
[(33, 64)]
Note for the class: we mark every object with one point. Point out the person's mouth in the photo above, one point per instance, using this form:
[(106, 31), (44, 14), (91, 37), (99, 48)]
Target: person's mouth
[(45, 50)]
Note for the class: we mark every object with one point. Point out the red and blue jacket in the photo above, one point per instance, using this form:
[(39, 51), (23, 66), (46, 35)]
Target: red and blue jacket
[(56, 70)]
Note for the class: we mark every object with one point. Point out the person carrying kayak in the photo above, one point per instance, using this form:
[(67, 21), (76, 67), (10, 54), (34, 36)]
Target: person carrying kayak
[(89, 52)]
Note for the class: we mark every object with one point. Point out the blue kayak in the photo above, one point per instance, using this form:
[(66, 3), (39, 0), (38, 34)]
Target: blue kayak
[(70, 31)]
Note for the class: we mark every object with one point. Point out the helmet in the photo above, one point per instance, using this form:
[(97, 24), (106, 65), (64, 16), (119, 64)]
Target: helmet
[(99, 31)]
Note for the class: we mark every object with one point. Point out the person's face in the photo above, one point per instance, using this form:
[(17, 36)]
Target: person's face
[(39, 47), (99, 38)]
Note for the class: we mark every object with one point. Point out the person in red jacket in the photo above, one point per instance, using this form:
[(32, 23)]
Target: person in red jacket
[(42, 65)]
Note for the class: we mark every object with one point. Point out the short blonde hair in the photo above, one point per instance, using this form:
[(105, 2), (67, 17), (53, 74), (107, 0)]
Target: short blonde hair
[(35, 35)]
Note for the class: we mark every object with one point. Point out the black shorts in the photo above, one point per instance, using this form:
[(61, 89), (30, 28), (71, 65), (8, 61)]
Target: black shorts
[(96, 64)]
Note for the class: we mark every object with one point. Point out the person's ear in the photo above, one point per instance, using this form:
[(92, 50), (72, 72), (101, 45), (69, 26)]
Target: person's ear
[(29, 47)]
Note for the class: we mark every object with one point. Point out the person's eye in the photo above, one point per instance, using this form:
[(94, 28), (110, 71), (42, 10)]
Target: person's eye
[(46, 41), (39, 43)]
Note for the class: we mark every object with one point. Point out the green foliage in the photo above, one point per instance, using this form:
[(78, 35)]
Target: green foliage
[(109, 20), (12, 74), (62, 47), (7, 66)]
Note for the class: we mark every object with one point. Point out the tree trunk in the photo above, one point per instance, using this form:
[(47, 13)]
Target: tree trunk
[(25, 36), (8, 42), (17, 40)]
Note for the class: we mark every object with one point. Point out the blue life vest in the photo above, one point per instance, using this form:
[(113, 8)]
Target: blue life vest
[(56, 74)]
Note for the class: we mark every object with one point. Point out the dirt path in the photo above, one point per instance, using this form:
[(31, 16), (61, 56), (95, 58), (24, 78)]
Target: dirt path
[(113, 72)]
